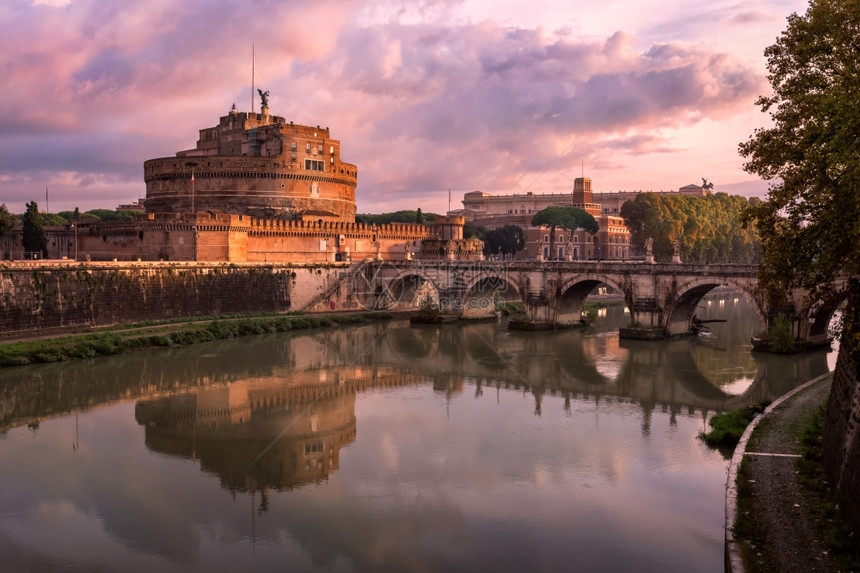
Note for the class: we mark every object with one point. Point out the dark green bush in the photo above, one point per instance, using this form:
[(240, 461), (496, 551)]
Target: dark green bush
[(48, 357), (779, 335), (81, 351), (14, 360), (727, 429)]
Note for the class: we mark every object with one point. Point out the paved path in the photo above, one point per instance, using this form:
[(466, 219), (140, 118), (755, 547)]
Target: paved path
[(772, 445)]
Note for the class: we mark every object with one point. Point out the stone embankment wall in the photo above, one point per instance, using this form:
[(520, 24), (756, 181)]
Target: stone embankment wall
[(842, 426), (54, 295)]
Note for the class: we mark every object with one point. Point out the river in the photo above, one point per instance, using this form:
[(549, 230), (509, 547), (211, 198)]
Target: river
[(457, 447)]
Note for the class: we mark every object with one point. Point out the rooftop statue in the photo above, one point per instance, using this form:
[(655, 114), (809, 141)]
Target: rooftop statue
[(264, 96)]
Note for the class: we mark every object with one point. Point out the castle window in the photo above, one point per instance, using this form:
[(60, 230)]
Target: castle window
[(293, 146), (331, 150), (314, 165), (307, 147)]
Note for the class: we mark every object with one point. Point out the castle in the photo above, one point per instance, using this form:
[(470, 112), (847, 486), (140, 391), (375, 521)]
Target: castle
[(257, 188)]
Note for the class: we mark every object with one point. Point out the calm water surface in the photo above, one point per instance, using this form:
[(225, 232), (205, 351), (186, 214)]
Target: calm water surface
[(384, 447)]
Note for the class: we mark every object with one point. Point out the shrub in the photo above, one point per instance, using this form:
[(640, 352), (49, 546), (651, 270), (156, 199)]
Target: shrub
[(779, 335), (727, 429), (107, 345), (14, 360), (81, 351), (221, 330), (48, 357)]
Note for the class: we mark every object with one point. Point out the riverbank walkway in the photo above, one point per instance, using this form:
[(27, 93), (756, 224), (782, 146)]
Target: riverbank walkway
[(788, 539)]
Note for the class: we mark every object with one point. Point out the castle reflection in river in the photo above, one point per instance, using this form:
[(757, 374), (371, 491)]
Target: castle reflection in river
[(259, 433)]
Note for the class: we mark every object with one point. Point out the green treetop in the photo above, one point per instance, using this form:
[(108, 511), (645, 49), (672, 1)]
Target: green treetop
[(7, 220), (33, 237)]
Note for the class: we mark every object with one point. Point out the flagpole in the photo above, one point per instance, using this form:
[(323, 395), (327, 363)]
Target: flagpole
[(252, 78), (47, 206)]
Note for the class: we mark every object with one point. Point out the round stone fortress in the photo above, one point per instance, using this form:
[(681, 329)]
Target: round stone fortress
[(258, 165)]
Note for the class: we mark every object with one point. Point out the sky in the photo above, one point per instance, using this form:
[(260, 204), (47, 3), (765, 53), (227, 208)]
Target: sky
[(425, 96)]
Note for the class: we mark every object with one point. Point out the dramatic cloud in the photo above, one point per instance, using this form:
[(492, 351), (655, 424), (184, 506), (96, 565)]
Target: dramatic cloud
[(424, 96)]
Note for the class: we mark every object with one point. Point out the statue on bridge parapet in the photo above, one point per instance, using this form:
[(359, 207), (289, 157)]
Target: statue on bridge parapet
[(649, 250), (676, 254)]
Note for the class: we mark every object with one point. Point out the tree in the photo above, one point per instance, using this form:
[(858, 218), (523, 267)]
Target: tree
[(33, 237), (471, 230), (112, 215), (419, 218), (570, 218), (7, 220), (708, 229), (809, 222), (406, 216), (506, 240)]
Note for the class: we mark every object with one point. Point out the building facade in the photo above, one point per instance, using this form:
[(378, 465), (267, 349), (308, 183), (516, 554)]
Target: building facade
[(611, 242), (480, 205)]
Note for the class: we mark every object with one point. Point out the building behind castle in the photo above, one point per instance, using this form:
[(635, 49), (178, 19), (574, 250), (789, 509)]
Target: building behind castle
[(611, 242)]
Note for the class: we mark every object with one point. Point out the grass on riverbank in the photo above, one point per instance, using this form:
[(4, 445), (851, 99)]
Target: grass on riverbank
[(169, 333), (841, 542), (727, 429)]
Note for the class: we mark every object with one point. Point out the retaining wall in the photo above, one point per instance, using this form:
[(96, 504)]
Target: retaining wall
[(842, 427), (48, 296)]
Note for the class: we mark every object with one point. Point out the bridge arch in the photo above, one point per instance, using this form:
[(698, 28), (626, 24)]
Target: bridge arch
[(682, 309), (409, 291), (483, 294), (819, 316), (573, 294)]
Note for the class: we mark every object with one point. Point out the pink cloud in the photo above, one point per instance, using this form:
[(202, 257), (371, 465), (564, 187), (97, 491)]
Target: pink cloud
[(420, 99)]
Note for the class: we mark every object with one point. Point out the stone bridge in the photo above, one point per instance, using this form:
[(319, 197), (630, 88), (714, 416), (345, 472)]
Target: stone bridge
[(661, 297)]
